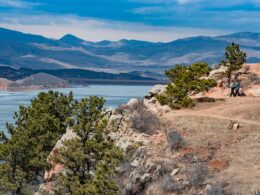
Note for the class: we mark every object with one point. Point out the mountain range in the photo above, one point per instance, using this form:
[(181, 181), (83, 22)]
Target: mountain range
[(20, 50)]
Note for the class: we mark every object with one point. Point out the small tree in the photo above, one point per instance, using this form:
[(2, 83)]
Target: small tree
[(30, 139), (235, 58), (91, 158), (184, 80)]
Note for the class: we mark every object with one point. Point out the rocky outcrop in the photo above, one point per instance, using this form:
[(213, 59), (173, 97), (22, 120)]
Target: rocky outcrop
[(156, 90)]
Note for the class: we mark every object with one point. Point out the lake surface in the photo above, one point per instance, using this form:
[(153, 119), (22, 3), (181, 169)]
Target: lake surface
[(113, 94)]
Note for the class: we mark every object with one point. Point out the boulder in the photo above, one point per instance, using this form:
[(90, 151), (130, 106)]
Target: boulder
[(218, 74), (253, 92), (138, 180), (164, 109), (114, 121), (156, 90), (153, 100), (132, 103), (174, 172)]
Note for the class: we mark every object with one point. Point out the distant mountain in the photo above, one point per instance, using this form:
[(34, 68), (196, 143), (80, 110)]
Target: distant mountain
[(70, 52)]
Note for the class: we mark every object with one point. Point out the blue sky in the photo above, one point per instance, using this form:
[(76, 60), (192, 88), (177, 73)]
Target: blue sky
[(153, 20)]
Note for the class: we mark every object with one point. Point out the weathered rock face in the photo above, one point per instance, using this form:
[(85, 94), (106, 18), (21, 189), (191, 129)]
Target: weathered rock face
[(156, 90), (253, 92), (218, 74)]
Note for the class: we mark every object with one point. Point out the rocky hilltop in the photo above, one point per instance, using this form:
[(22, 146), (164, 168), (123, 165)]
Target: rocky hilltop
[(213, 148)]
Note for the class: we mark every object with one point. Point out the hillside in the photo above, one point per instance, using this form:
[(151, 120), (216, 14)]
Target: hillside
[(69, 52), (37, 81), (210, 149)]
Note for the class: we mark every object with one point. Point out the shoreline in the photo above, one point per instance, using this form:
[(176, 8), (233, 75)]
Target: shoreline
[(85, 83)]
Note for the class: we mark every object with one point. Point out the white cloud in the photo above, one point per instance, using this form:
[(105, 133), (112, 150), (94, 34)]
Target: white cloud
[(97, 30), (16, 4)]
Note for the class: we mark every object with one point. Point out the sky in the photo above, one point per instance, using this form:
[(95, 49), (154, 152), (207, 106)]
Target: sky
[(151, 20)]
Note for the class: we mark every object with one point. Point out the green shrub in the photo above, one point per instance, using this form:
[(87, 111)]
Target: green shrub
[(163, 99), (184, 81)]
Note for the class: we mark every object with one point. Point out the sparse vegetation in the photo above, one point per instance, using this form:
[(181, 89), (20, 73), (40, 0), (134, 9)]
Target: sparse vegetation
[(143, 120), (175, 140), (197, 175), (168, 184), (185, 80), (216, 189)]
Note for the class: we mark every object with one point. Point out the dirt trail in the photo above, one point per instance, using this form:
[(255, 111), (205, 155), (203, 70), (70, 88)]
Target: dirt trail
[(245, 110), (251, 122)]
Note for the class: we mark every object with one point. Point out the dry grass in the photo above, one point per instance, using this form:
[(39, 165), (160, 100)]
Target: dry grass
[(205, 129)]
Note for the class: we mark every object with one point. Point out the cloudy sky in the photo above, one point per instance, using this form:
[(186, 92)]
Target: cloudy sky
[(153, 20)]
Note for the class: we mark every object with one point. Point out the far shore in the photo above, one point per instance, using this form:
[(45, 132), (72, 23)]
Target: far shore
[(84, 82)]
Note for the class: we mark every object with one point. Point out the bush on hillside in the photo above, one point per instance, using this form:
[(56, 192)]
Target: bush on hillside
[(143, 120), (184, 81), (175, 140), (168, 184), (197, 175), (216, 189)]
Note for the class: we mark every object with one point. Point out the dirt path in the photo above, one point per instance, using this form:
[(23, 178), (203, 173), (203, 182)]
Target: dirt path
[(244, 110), (251, 122)]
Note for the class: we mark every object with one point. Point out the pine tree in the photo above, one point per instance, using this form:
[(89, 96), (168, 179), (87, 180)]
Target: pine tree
[(91, 158), (31, 138), (184, 80), (235, 58)]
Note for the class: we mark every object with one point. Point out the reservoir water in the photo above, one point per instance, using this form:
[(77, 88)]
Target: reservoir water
[(113, 94)]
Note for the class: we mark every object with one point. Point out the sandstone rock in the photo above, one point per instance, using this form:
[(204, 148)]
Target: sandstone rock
[(145, 177), (164, 109), (234, 125), (150, 166), (156, 90), (153, 100), (135, 163), (218, 74), (114, 121), (132, 102), (137, 182), (174, 172), (70, 134), (253, 92)]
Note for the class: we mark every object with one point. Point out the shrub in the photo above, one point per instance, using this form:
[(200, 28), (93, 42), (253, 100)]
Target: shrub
[(216, 189), (168, 184), (143, 120), (175, 140), (184, 81), (163, 99), (197, 175)]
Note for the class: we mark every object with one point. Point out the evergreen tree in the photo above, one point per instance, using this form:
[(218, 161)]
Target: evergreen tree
[(184, 80), (235, 58), (91, 158), (30, 139)]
